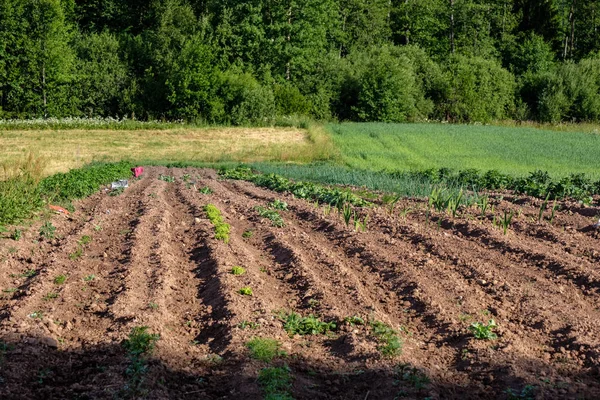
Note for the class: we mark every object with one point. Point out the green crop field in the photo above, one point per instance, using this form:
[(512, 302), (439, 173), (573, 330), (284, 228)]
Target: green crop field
[(511, 150)]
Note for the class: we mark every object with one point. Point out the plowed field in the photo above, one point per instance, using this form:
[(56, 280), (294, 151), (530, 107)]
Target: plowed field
[(153, 261)]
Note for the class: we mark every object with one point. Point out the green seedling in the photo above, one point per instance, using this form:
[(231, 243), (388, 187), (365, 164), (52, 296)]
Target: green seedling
[(484, 332), (205, 190), (506, 221), (276, 383), (527, 393), (543, 208), (412, 376), (60, 279), (47, 230), (16, 235), (237, 270), (97, 228), (271, 215), (390, 344), (185, 177), (76, 254), (85, 240), (50, 296), (30, 273), (391, 201), (483, 204), (248, 324), (10, 290), (153, 306), (264, 349), (140, 341), (279, 205), (295, 324), (247, 234), (454, 203), (354, 320), (37, 315), (89, 278), (347, 213), (246, 291), (166, 178), (153, 195)]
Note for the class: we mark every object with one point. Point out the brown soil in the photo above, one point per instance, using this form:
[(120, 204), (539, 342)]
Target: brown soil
[(155, 263)]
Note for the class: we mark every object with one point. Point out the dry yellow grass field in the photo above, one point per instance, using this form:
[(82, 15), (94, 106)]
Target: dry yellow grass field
[(65, 149)]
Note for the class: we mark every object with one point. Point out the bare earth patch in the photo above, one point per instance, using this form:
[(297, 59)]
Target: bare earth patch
[(153, 261)]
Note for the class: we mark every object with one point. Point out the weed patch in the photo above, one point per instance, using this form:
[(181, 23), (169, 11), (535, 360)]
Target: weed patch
[(139, 344), (271, 215), (60, 279), (264, 349), (237, 270)]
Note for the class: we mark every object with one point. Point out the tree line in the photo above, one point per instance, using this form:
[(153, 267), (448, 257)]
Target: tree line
[(244, 62)]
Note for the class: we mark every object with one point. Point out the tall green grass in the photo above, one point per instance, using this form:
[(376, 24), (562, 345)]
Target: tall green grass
[(511, 150)]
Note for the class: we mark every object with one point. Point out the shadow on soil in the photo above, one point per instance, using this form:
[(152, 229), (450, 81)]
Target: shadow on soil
[(29, 369)]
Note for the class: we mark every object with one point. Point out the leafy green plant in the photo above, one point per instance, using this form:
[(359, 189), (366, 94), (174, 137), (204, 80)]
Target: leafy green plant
[(555, 207), (484, 332), (454, 203), (166, 178), (264, 349), (247, 234), (222, 229), (412, 376), (271, 215), (10, 290), (47, 230), (295, 324), (153, 306), (89, 278), (76, 254), (140, 341), (205, 190), (390, 201), (276, 383), (85, 240), (390, 344), (16, 235), (246, 291), (60, 279), (37, 315), (278, 205), (237, 270), (185, 177)]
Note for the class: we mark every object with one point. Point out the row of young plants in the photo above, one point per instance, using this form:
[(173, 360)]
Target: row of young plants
[(24, 194), (302, 190), (537, 184)]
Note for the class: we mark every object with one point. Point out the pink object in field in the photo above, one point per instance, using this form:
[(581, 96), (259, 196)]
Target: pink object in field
[(137, 171)]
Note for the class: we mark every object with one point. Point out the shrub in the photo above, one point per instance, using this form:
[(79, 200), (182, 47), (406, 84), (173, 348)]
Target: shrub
[(289, 100)]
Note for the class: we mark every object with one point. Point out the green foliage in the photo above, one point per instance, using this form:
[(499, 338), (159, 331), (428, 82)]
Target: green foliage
[(60, 279), (278, 205), (221, 228), (245, 291), (264, 349), (166, 178), (238, 270), (276, 383), (484, 332), (47, 230), (527, 393), (140, 341), (205, 190), (80, 183), (390, 344), (16, 235), (272, 215), (295, 324), (247, 234)]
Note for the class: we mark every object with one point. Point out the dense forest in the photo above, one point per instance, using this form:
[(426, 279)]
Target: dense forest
[(243, 62)]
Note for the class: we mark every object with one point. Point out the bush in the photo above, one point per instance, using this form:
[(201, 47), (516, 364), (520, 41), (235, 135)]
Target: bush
[(380, 86), (289, 100), (244, 100), (479, 90)]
